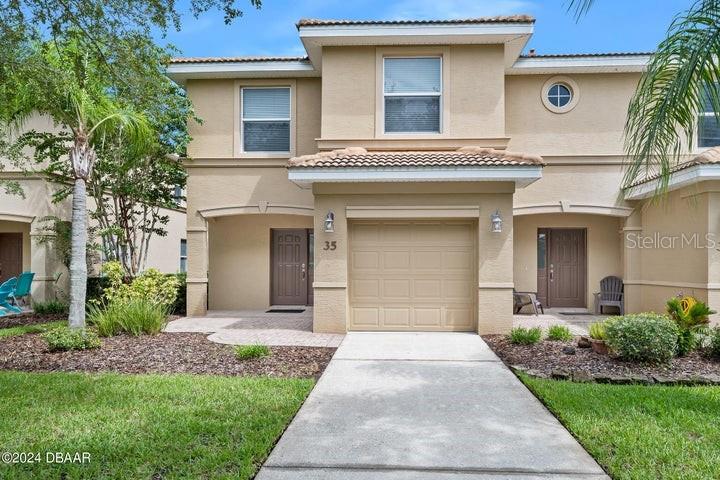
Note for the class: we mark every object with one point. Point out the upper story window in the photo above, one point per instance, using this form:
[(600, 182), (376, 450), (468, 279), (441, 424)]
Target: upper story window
[(412, 90), (559, 94), (708, 125), (265, 119)]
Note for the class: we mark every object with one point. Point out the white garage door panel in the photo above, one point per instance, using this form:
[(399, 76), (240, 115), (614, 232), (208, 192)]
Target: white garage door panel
[(413, 275)]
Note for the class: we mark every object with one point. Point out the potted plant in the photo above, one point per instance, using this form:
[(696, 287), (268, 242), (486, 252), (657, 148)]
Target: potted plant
[(597, 338)]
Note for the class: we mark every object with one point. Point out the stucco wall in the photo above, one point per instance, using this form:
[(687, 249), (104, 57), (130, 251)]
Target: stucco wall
[(473, 90), (593, 127), (239, 274), (603, 255)]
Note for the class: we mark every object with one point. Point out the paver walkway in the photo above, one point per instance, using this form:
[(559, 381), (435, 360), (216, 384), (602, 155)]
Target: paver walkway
[(423, 406), (251, 327)]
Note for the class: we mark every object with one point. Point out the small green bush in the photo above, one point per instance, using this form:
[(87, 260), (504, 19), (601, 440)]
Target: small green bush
[(150, 285), (135, 316), (63, 338), (714, 345), (692, 319), (51, 307), (643, 337), (525, 336), (559, 333), (245, 352), (597, 331)]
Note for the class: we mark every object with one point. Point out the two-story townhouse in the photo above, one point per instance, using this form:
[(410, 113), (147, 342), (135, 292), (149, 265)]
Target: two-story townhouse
[(379, 180), (22, 225)]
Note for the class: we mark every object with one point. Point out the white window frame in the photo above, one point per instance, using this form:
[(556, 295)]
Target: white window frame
[(183, 257), (414, 94), (288, 119)]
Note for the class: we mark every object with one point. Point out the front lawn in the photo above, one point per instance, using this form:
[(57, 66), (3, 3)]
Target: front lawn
[(145, 426), (640, 432), (32, 328)]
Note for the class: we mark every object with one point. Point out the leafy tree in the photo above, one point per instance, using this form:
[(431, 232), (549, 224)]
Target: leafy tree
[(59, 79), (682, 74)]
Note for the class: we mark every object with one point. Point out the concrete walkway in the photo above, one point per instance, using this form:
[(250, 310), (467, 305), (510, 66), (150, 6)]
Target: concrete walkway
[(247, 327), (422, 406)]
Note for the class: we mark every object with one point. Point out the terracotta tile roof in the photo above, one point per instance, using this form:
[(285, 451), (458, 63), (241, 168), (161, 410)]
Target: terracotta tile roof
[(588, 55), (711, 156), (314, 22), (236, 59), (357, 157)]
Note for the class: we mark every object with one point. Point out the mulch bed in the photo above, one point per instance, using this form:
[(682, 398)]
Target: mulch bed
[(547, 359), (162, 353), (22, 319)]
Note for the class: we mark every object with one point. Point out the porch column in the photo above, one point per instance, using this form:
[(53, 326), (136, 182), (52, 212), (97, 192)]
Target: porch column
[(330, 285), (495, 266), (197, 265), (632, 274)]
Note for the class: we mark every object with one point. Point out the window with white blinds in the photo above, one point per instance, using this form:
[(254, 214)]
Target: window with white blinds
[(266, 119), (412, 90), (708, 125)]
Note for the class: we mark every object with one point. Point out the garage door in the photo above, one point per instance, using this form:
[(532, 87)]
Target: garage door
[(413, 275)]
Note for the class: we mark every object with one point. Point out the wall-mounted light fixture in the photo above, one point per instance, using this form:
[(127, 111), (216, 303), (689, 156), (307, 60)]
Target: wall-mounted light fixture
[(496, 222), (330, 222)]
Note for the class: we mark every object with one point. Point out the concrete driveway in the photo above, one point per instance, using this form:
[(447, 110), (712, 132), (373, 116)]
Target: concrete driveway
[(423, 406)]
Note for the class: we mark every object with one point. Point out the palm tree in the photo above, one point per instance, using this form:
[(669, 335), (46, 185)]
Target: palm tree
[(61, 80), (681, 76)]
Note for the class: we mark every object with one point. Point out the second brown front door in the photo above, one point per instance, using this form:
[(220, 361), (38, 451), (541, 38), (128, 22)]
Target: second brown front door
[(290, 277), (563, 276)]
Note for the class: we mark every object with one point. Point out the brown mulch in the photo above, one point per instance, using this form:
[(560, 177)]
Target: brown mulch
[(546, 358), (9, 321), (162, 353)]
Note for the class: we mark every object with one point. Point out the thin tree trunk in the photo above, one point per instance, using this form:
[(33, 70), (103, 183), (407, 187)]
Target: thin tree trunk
[(78, 264)]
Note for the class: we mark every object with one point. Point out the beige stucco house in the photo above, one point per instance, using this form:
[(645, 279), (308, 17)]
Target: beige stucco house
[(407, 175), (21, 225)]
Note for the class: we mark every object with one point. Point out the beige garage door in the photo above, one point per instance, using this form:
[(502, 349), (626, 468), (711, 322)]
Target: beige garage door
[(413, 275)]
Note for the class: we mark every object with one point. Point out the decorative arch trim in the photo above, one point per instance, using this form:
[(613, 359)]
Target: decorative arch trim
[(564, 207), (257, 209), (11, 217)]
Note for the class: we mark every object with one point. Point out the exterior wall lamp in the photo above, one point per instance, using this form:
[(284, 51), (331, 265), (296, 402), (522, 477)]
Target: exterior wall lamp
[(330, 222), (496, 222)]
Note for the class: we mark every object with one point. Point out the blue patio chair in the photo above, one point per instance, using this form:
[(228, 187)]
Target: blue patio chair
[(6, 292), (22, 288)]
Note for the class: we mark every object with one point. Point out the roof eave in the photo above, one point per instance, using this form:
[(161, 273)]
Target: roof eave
[(679, 179), (521, 175), (579, 64), (181, 72)]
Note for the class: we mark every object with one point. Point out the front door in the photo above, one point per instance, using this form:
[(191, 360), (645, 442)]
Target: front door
[(289, 259), (564, 271), (10, 255)]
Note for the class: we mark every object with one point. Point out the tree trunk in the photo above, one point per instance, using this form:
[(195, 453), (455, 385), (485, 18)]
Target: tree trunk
[(78, 264)]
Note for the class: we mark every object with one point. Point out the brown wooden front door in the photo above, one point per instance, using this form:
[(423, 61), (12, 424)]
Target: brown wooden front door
[(290, 280), (10, 255), (564, 272)]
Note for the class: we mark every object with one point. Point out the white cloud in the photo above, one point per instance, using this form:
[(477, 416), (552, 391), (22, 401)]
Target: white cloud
[(449, 9)]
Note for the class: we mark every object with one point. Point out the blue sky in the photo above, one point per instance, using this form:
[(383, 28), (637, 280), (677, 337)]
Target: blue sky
[(611, 26)]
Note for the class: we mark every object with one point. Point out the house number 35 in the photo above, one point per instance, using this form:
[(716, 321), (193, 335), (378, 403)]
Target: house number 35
[(330, 245)]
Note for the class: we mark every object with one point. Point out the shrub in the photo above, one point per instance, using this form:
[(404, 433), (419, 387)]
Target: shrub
[(643, 337), (714, 345), (560, 333), (135, 316), (244, 352), (179, 307), (51, 307), (151, 285), (525, 336), (691, 317), (64, 338), (597, 331)]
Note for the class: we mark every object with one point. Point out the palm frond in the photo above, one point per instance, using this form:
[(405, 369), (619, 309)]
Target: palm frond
[(663, 113), (579, 8)]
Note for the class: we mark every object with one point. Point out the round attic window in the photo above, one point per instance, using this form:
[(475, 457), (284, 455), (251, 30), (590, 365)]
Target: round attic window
[(560, 94)]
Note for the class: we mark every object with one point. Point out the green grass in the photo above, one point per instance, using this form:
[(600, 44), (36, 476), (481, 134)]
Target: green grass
[(145, 426), (37, 328), (640, 432), (244, 352)]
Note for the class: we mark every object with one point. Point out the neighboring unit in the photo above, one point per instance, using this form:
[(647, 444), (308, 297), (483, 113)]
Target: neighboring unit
[(377, 180)]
